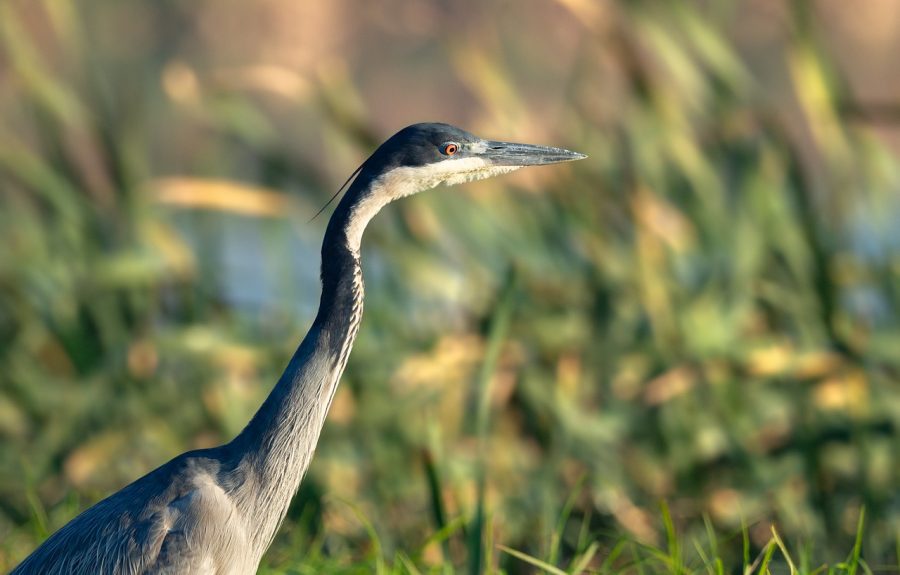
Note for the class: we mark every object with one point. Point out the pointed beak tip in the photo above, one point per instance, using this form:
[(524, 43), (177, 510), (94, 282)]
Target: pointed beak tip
[(566, 156), (521, 155)]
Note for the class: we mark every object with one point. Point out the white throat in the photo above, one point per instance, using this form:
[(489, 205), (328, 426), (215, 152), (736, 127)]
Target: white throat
[(409, 180)]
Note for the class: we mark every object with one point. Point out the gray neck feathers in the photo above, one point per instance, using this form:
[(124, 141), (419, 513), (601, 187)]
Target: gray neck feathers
[(276, 447)]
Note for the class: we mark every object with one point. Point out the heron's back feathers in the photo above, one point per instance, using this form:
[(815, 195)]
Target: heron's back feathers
[(176, 519)]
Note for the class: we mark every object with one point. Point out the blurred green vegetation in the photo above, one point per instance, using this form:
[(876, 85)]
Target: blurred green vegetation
[(646, 361)]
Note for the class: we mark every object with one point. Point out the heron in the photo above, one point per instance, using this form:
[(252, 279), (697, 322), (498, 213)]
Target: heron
[(217, 510)]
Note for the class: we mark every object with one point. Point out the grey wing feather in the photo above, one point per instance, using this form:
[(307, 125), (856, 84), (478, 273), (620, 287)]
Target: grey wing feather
[(174, 520)]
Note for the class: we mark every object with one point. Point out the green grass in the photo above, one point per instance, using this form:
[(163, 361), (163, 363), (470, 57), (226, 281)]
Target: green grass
[(621, 555)]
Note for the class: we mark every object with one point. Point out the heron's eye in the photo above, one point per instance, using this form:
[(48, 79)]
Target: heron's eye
[(449, 148)]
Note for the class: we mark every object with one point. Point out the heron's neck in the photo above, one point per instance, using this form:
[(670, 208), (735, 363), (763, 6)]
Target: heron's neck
[(277, 445)]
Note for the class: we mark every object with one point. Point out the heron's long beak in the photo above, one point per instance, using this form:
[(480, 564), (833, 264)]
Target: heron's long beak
[(510, 154)]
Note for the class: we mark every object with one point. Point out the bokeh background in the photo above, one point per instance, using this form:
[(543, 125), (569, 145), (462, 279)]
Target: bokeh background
[(679, 343)]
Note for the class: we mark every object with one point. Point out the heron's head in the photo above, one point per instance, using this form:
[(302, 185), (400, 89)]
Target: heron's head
[(423, 156)]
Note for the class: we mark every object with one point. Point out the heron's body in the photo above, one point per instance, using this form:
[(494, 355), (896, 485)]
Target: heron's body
[(215, 511)]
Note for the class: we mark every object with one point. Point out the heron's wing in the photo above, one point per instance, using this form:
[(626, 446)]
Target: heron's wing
[(200, 533), (175, 519), (177, 555)]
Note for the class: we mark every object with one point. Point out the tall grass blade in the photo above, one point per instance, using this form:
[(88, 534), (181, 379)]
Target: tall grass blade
[(542, 565)]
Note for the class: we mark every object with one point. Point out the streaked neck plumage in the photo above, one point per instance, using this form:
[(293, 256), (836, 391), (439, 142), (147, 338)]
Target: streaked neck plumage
[(276, 447)]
